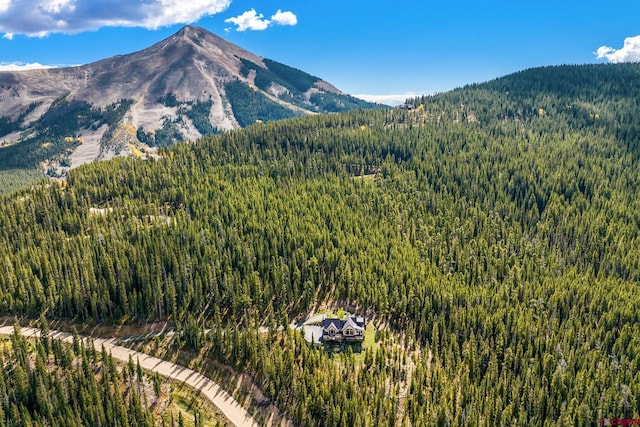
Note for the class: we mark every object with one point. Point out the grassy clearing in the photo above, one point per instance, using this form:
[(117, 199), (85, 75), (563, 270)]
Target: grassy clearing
[(369, 342), (184, 402)]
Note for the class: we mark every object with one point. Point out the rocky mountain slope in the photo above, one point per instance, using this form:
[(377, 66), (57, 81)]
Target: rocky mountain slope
[(188, 85)]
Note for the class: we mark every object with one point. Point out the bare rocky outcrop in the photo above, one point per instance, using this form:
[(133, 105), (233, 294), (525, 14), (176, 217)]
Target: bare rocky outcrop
[(191, 66)]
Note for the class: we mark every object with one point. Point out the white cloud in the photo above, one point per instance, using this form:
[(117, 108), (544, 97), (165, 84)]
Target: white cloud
[(391, 99), (630, 52), (57, 6), (249, 20), (4, 5), (252, 20), (37, 18), (284, 18), (21, 66)]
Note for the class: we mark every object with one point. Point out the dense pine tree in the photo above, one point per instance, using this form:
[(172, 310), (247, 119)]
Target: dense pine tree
[(494, 230), (35, 392)]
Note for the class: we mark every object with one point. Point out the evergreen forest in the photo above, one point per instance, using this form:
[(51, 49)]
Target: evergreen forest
[(49, 384), (491, 234)]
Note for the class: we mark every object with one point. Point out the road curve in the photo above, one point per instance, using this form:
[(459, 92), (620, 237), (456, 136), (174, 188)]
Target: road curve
[(231, 409)]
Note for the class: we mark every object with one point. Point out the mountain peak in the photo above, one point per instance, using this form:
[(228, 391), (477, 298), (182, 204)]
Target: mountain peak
[(192, 29), (206, 45), (190, 84), (192, 32)]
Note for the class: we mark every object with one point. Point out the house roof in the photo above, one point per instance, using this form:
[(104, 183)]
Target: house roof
[(355, 322), (338, 323)]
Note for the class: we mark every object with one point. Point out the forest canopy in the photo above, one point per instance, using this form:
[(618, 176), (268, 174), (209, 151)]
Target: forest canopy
[(494, 229)]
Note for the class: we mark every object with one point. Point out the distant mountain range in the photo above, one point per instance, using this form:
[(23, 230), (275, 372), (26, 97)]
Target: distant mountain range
[(191, 84)]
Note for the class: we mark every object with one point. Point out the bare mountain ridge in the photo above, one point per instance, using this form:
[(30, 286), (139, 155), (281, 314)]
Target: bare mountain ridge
[(190, 84)]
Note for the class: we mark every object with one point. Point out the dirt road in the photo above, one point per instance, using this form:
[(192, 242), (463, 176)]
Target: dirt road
[(231, 409)]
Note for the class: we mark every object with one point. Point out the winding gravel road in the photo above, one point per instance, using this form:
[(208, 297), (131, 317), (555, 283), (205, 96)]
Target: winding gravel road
[(231, 409)]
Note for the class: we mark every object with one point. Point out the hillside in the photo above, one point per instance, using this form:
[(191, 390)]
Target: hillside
[(73, 382), (193, 83), (491, 234)]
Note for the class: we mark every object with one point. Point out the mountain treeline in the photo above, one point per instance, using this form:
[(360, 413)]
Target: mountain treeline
[(55, 133), (494, 230)]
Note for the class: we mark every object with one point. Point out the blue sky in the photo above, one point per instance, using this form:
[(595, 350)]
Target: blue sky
[(381, 48)]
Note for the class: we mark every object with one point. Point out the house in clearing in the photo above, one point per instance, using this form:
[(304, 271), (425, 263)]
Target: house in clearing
[(351, 328)]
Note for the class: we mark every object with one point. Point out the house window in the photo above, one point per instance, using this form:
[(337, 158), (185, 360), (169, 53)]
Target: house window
[(348, 331)]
